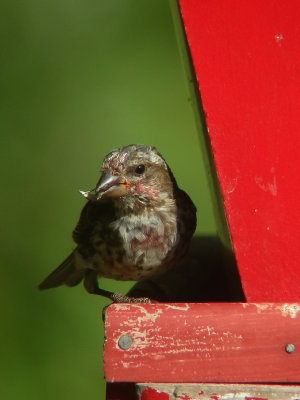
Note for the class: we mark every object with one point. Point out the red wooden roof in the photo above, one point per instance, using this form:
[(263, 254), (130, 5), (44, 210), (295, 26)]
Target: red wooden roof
[(246, 56)]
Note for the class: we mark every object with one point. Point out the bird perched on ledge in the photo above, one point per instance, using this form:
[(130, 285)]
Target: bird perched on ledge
[(136, 224)]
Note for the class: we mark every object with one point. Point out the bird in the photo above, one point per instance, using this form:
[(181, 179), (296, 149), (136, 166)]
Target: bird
[(136, 224)]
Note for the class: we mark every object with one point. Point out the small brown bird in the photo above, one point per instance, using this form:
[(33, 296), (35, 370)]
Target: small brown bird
[(136, 224)]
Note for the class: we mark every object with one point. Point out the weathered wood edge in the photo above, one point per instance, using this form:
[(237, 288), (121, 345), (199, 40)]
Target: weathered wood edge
[(147, 391)]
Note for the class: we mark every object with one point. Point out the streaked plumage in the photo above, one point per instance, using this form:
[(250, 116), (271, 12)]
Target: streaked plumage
[(136, 224)]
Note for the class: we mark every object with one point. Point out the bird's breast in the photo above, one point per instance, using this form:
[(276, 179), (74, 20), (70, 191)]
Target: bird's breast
[(147, 241)]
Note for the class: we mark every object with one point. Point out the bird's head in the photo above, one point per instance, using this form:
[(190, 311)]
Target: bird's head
[(134, 172)]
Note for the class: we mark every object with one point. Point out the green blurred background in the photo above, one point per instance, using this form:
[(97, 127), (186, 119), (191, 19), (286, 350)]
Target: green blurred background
[(78, 79)]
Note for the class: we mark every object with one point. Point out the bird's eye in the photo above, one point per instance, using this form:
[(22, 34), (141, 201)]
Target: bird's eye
[(140, 169)]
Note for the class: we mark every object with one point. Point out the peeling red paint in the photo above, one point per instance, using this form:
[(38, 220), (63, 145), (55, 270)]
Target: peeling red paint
[(181, 342), (152, 394), (212, 391), (256, 398), (184, 396)]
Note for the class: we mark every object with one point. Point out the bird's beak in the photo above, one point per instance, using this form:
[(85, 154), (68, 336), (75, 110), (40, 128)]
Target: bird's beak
[(110, 186)]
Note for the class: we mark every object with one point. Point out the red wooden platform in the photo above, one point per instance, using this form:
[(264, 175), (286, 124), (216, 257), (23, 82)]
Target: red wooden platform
[(214, 342), (245, 83)]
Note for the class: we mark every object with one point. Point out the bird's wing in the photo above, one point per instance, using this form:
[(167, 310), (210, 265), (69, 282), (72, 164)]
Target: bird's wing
[(66, 274), (95, 215), (187, 211), (83, 226)]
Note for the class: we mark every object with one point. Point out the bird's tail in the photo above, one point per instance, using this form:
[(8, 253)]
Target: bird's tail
[(65, 274)]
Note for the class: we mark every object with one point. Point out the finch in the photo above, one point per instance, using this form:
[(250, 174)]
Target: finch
[(136, 224)]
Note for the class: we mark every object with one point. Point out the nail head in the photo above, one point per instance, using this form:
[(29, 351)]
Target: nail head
[(125, 342), (289, 348)]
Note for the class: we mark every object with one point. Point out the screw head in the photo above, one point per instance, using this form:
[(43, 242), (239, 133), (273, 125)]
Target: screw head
[(125, 342), (289, 348)]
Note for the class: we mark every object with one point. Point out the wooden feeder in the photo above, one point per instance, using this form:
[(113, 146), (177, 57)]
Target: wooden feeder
[(242, 59)]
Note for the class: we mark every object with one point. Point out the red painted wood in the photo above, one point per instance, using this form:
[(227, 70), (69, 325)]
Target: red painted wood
[(212, 342), (149, 393), (247, 63), (218, 392)]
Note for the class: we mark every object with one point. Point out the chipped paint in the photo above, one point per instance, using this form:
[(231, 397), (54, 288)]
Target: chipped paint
[(120, 307), (220, 391), (263, 307), (278, 38), (268, 186), (183, 307), (289, 309), (153, 394), (175, 342)]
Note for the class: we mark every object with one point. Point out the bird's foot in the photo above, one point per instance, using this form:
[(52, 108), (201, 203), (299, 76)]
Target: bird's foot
[(119, 298), (91, 286)]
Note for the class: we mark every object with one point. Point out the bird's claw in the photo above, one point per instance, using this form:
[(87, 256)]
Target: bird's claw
[(119, 298)]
